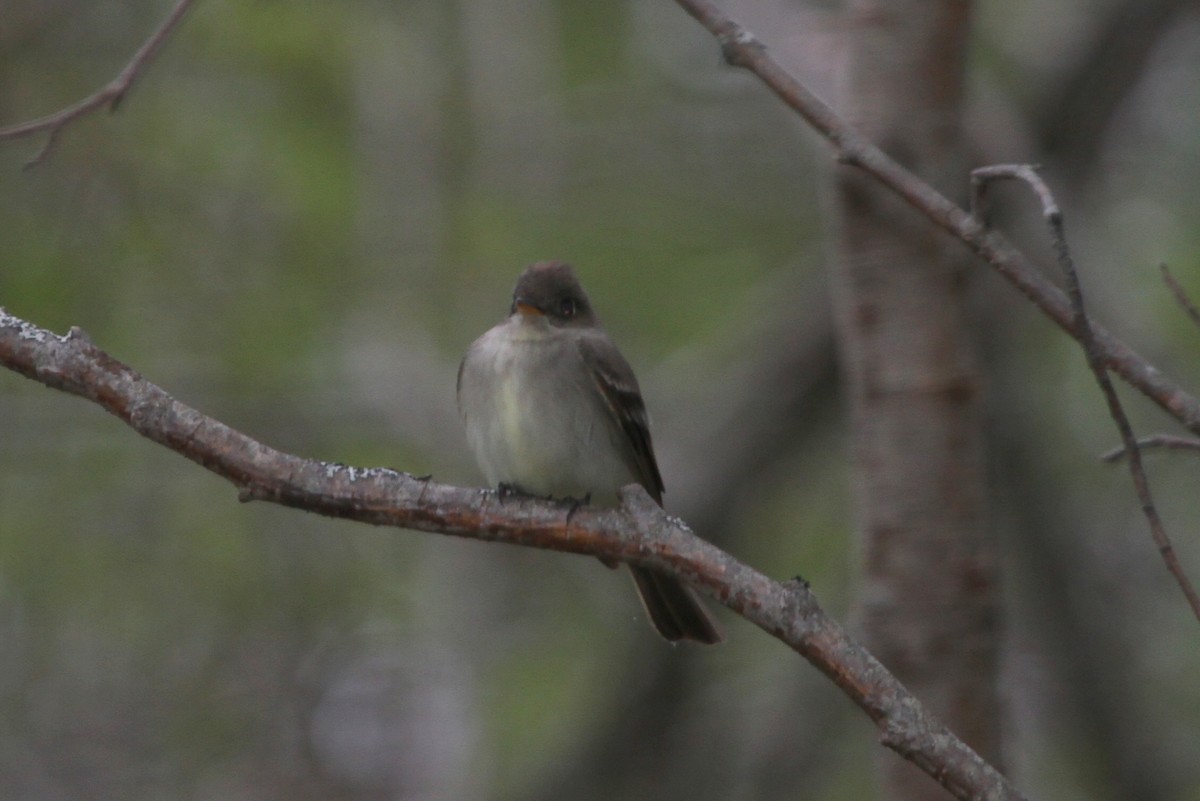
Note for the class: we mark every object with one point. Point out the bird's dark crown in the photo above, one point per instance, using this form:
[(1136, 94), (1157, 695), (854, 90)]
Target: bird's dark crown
[(550, 289)]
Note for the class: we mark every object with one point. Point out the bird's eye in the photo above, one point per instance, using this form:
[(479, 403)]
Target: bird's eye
[(567, 308)]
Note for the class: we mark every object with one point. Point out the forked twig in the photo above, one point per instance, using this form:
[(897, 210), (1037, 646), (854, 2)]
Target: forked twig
[(1095, 359), (111, 95), (742, 49)]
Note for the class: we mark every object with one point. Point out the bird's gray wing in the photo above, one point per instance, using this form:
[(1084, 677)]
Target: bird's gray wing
[(618, 387)]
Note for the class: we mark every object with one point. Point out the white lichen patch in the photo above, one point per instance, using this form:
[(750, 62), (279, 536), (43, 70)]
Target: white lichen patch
[(744, 37), (353, 474), (679, 523), (26, 330)]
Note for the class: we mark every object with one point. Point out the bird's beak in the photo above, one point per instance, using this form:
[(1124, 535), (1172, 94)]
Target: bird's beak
[(527, 309)]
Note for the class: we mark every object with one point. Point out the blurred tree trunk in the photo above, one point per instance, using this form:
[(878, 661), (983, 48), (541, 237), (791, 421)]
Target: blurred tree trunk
[(929, 594)]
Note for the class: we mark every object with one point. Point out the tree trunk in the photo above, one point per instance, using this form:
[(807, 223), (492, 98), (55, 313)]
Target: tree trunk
[(930, 598)]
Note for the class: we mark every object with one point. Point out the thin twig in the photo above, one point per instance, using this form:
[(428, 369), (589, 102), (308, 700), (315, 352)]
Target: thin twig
[(981, 177), (638, 532), (1095, 360), (111, 95), (1180, 294), (1164, 441)]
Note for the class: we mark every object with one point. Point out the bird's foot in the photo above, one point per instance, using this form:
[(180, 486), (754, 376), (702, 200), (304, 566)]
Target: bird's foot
[(505, 491), (575, 504)]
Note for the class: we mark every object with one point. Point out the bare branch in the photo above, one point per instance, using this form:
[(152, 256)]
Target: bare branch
[(1095, 360), (111, 95), (1180, 295), (981, 177), (741, 48), (638, 532), (1164, 441)]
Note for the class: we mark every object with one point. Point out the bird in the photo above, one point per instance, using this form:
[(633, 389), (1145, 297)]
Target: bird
[(551, 408)]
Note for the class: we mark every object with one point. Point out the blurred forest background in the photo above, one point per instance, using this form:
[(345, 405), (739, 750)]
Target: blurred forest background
[(306, 211)]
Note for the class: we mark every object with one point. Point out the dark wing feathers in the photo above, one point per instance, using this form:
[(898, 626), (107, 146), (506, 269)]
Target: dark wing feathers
[(619, 388)]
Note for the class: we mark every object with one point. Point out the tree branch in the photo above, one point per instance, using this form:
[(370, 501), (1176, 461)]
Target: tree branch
[(742, 49), (111, 95), (638, 532), (1054, 220)]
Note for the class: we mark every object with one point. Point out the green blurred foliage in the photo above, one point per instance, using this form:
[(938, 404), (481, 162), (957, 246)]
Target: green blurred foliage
[(297, 221)]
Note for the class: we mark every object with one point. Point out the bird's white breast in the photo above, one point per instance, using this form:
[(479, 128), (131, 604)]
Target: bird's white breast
[(534, 417)]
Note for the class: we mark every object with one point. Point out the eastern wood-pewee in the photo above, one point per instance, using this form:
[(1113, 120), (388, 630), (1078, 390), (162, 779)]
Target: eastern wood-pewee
[(552, 408)]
